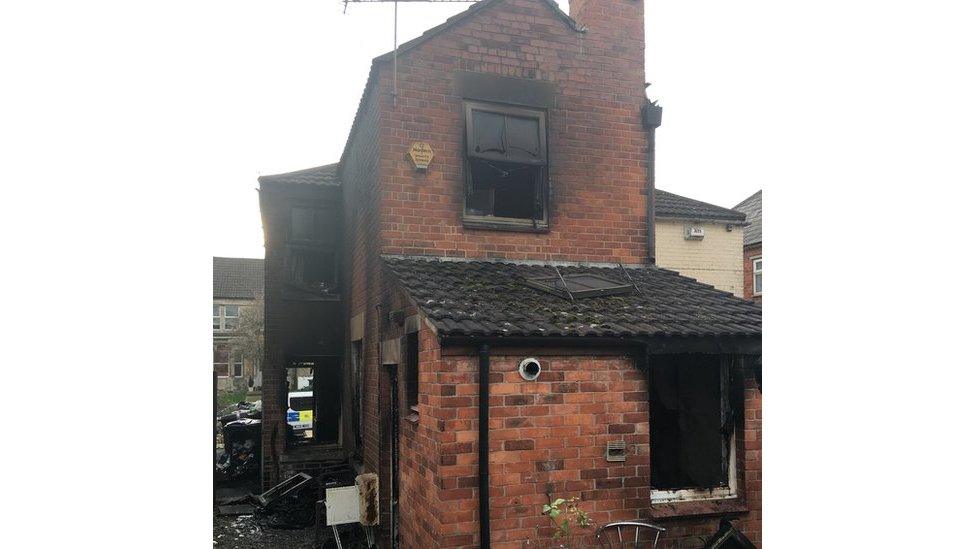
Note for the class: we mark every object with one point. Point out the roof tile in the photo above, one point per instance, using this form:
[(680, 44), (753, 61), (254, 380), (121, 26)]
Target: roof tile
[(489, 298)]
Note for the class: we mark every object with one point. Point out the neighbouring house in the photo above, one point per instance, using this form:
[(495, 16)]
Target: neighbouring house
[(752, 247), (238, 283), (474, 289), (699, 240)]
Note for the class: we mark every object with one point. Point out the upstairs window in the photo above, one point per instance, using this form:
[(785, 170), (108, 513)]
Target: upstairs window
[(757, 276), (506, 165), (226, 317), (312, 269), (307, 225)]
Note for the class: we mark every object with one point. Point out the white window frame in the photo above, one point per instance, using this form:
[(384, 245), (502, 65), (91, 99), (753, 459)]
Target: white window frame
[(754, 272), (222, 316), (235, 362)]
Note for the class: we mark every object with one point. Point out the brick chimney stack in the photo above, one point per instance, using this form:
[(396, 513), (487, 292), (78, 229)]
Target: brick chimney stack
[(619, 21)]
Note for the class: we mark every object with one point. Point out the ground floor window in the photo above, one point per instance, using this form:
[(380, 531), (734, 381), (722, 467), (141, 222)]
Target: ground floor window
[(221, 360), (692, 450), (757, 275), (238, 366)]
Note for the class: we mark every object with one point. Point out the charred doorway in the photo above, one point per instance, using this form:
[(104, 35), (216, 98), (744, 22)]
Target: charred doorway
[(315, 398)]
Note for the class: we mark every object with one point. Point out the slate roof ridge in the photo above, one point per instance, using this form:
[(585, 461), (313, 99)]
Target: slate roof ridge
[(676, 206)]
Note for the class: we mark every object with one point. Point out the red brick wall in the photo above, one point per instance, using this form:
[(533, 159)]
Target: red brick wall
[(549, 436), (597, 146), (748, 254)]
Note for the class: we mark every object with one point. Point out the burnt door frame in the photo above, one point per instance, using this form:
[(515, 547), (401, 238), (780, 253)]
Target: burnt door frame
[(328, 396)]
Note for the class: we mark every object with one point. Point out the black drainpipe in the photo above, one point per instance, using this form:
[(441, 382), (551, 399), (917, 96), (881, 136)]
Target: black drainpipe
[(651, 118), (484, 361)]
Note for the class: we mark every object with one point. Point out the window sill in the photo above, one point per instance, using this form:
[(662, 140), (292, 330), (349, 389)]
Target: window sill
[(494, 224), (698, 507)]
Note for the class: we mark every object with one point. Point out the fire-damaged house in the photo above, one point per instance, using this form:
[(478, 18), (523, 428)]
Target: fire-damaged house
[(472, 298)]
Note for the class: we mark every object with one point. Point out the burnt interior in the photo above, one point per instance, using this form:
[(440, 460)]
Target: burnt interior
[(688, 445)]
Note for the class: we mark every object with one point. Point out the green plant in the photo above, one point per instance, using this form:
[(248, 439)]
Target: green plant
[(564, 513)]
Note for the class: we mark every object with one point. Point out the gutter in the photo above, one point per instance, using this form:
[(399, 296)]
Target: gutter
[(484, 516)]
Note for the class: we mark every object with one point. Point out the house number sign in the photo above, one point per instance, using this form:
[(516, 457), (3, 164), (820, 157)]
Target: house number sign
[(421, 153)]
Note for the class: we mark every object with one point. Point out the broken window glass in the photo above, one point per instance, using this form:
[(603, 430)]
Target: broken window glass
[(302, 224), (506, 163), (689, 446), (312, 269)]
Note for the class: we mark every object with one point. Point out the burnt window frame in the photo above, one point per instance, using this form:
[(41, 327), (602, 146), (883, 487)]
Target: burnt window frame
[(497, 222), (291, 267), (730, 426)]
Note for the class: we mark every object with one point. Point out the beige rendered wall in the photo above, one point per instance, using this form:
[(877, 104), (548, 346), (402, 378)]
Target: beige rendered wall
[(714, 260)]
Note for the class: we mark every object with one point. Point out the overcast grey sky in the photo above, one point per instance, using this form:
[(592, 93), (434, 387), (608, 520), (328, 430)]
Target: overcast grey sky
[(290, 75)]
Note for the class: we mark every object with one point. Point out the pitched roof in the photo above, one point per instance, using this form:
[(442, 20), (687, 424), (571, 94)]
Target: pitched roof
[(752, 207), (482, 298), (321, 175), (475, 8), (670, 205), (238, 277)]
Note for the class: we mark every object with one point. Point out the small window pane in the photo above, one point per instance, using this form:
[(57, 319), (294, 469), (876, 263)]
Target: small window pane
[(302, 224), (216, 323), (758, 284), (216, 310), (522, 138), (759, 265), (488, 133), (231, 310), (238, 368)]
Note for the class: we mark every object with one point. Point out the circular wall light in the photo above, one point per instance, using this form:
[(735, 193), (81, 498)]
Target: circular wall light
[(530, 369)]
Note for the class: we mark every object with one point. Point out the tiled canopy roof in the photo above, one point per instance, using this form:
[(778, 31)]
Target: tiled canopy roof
[(321, 175), (675, 206), (752, 207), (238, 277), (480, 298)]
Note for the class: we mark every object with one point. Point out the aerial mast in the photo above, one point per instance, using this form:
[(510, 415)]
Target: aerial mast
[(345, 5)]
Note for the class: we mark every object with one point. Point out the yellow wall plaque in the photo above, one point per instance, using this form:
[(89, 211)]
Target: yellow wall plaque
[(421, 153)]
